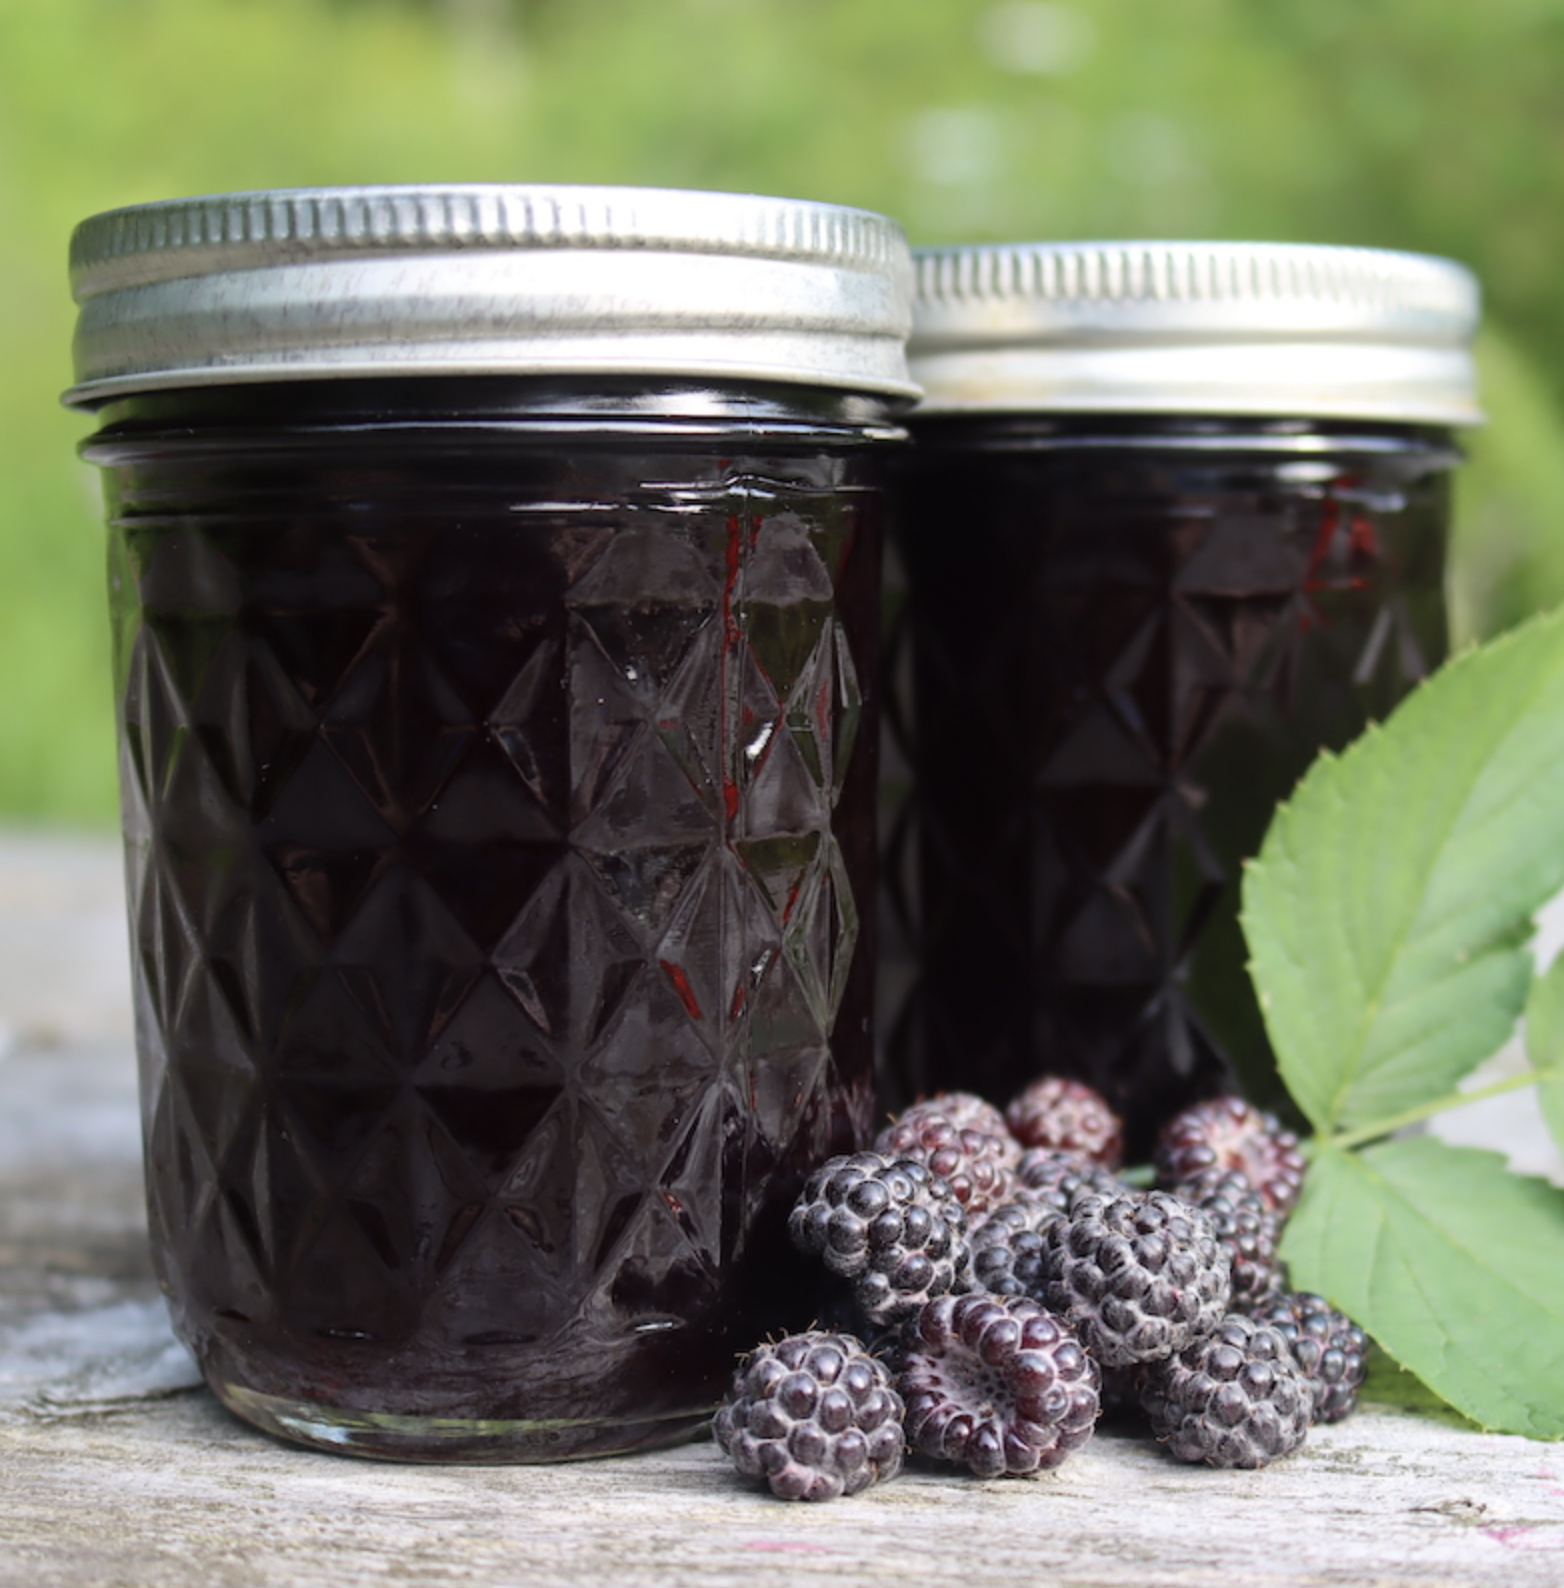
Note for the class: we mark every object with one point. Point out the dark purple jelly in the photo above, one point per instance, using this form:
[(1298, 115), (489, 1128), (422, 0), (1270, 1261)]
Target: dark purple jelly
[(498, 766), (1122, 643)]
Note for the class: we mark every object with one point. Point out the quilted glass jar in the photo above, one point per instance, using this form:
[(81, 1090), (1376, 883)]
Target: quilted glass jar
[(495, 597), (1174, 521)]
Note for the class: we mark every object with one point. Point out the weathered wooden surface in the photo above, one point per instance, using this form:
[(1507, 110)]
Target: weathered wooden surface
[(175, 1493), (116, 1470)]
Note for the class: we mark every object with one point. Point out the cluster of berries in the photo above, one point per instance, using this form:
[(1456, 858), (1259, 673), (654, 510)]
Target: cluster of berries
[(1011, 1287)]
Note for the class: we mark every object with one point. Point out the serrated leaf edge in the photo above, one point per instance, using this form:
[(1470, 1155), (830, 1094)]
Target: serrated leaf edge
[(1278, 853), (1341, 1191)]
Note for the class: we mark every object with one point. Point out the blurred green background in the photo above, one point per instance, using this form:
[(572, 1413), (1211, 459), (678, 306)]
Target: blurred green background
[(1394, 123)]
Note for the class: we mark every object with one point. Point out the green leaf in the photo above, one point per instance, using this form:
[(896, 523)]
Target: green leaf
[(1390, 1384), (1454, 1265), (1388, 910), (1545, 1044)]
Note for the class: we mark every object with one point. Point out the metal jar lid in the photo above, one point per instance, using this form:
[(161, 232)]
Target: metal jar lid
[(1199, 328), (463, 280)]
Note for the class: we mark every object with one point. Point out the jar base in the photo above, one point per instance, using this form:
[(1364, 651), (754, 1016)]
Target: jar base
[(388, 1436)]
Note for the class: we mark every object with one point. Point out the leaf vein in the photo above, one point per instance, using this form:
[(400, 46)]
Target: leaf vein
[(1375, 981)]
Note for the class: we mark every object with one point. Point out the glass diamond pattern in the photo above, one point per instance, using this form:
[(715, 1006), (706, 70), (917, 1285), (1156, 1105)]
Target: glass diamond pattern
[(1105, 701), (785, 1014), (706, 952), (661, 1272), (837, 902), (215, 1095), (572, 958), (650, 1069), (787, 596), (265, 958), (327, 884), (818, 941), (696, 1163), (785, 1083), (479, 883), (397, 725), (646, 600), (607, 717), (485, 1096), (493, 915), (691, 720), (650, 806), (527, 722), (779, 865), (406, 962), (809, 712)]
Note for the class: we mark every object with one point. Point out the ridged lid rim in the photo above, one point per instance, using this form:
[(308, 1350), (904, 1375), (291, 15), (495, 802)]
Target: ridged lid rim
[(162, 241), (468, 278), (1195, 327)]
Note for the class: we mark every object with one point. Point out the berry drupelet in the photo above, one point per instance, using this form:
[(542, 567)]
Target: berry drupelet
[(974, 1164), (964, 1110), (1139, 1277), (890, 1226), (1007, 1246), (1235, 1398), (1227, 1133), (1062, 1176), (1067, 1116), (1247, 1228), (998, 1386), (1330, 1348), (814, 1415)]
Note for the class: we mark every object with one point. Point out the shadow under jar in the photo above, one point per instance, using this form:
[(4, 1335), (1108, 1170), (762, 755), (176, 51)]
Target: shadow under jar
[(497, 755), (1174, 521)]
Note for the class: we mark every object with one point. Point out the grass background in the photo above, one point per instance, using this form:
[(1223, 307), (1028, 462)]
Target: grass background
[(1382, 122)]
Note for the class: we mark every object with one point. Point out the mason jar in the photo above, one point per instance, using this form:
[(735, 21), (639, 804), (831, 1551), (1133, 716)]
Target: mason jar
[(1173, 523), (495, 583)]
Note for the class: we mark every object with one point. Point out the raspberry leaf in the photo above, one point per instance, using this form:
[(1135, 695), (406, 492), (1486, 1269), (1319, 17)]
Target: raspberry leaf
[(1545, 1044), (1453, 1264), (1389, 1384), (1389, 909)]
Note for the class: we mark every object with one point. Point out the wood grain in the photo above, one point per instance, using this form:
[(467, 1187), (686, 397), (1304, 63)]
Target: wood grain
[(116, 1472)]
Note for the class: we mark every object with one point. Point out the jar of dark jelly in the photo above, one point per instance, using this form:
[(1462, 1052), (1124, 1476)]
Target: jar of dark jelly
[(495, 581), (1174, 521)]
